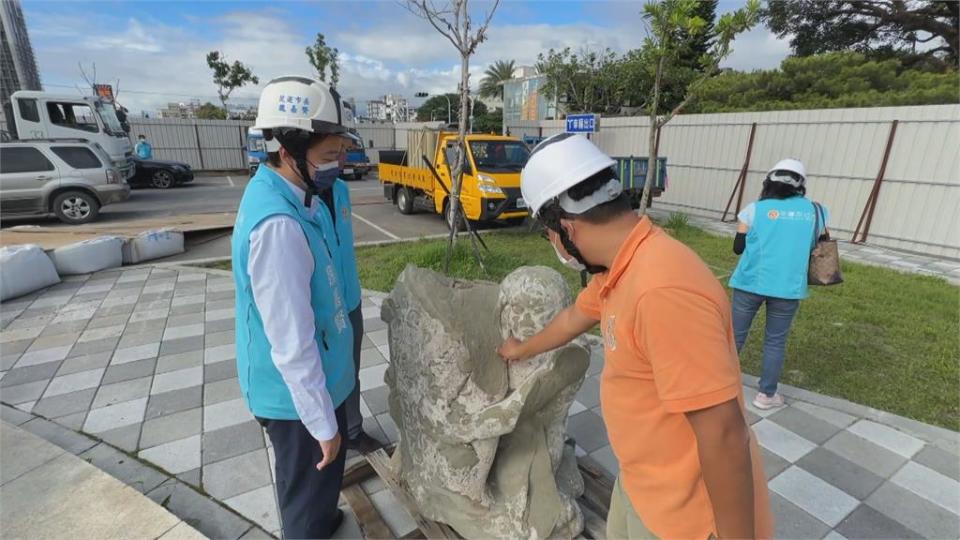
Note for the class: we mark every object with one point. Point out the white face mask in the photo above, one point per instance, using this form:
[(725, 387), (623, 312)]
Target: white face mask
[(571, 263)]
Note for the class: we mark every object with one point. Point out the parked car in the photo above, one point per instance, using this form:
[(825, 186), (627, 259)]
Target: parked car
[(160, 174), (70, 178)]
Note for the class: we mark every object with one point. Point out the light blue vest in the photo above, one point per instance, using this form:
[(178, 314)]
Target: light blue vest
[(263, 388), (344, 254), (777, 255)]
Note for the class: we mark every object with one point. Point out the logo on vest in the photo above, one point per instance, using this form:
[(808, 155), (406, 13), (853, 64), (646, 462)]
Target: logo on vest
[(341, 321), (773, 214), (610, 339), (346, 214)]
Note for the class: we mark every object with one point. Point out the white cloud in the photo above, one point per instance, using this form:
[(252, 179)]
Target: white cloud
[(758, 49), (416, 43), (399, 54), (135, 38)]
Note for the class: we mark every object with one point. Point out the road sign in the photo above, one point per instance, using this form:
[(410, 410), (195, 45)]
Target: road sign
[(582, 123)]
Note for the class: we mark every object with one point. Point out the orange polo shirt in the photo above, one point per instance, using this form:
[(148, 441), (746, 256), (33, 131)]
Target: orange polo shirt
[(669, 349)]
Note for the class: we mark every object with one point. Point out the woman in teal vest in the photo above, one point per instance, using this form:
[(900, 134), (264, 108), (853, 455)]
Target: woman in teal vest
[(294, 339), (775, 236)]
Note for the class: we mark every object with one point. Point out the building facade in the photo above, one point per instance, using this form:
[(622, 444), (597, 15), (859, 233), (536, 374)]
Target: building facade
[(180, 110), (390, 108), (18, 66), (523, 100)]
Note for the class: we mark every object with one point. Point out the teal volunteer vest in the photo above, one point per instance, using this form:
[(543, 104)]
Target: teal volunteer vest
[(342, 245), (262, 386), (777, 255)]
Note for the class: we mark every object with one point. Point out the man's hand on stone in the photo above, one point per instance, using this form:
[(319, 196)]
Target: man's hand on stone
[(512, 350), (330, 450)]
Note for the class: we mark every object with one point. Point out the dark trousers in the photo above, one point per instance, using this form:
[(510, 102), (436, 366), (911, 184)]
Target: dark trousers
[(307, 497), (354, 416)]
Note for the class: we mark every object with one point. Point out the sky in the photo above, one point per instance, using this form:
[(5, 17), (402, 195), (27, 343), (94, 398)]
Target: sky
[(157, 50)]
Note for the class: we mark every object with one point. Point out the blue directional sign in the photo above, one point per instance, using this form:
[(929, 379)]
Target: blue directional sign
[(582, 123)]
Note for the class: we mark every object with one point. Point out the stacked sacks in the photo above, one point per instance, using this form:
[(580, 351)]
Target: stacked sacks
[(24, 269)]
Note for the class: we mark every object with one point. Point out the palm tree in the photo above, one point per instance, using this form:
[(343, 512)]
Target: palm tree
[(491, 85)]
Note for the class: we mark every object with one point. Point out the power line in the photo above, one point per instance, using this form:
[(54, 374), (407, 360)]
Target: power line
[(148, 92)]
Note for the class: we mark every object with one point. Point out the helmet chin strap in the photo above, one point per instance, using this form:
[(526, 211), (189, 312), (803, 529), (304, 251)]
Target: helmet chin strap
[(310, 190), (575, 253)]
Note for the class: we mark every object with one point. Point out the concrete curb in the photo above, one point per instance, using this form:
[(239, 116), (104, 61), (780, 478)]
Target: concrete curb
[(211, 260), (142, 476)]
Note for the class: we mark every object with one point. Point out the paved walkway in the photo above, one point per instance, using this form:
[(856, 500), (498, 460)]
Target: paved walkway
[(47, 492), (866, 254), (144, 360)]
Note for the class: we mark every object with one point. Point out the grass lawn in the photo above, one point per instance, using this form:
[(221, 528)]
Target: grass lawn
[(883, 339)]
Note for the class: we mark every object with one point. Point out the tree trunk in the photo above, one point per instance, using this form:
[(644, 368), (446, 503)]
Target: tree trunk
[(653, 165), (457, 173)]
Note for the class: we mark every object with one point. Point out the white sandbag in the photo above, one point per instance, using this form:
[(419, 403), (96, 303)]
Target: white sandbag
[(24, 269), (152, 245), (89, 256)]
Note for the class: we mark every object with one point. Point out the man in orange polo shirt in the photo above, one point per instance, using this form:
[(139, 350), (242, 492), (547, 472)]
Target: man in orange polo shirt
[(670, 389)]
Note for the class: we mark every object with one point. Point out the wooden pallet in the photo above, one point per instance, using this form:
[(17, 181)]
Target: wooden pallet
[(595, 502)]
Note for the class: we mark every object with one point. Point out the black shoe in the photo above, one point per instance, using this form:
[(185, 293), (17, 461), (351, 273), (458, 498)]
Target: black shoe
[(364, 443), (337, 522)]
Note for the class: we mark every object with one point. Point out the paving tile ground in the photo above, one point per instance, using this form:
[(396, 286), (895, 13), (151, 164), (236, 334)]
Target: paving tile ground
[(144, 360)]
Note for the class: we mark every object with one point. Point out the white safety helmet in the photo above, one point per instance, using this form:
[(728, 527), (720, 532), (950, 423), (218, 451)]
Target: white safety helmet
[(559, 163), (789, 165), (293, 102)]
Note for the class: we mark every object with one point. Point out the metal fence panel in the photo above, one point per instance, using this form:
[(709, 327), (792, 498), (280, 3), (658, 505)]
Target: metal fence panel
[(204, 144), (919, 199)]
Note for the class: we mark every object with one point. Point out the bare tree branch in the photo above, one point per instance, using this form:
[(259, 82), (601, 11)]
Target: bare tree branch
[(481, 33), (427, 12), (83, 73)]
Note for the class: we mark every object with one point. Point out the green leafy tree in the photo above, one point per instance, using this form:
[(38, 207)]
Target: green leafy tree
[(488, 122), (826, 81), (877, 28), (491, 85), (436, 108), (228, 77), (324, 58), (587, 81), (671, 24), (209, 111)]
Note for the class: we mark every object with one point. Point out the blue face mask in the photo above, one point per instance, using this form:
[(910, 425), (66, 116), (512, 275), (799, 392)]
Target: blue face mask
[(325, 175)]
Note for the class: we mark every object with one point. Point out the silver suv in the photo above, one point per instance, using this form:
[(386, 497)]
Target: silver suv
[(71, 178)]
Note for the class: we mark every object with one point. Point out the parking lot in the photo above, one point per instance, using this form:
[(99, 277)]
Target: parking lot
[(374, 218)]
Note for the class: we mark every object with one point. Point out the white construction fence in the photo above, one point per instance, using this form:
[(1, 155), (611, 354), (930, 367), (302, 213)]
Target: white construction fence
[(917, 203)]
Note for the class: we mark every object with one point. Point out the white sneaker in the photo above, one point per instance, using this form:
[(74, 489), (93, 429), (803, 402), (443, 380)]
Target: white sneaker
[(765, 402)]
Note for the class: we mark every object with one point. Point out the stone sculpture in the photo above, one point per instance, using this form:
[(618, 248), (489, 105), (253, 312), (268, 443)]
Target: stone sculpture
[(482, 442)]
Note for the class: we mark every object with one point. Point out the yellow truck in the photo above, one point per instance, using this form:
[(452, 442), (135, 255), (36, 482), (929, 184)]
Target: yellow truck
[(491, 175)]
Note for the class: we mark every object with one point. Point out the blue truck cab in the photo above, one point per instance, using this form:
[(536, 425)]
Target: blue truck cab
[(357, 163), (256, 149)]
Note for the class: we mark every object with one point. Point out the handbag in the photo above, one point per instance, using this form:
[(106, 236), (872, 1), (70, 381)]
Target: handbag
[(824, 268)]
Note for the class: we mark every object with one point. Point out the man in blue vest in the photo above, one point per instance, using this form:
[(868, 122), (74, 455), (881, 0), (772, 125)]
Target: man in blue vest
[(143, 148), (294, 338)]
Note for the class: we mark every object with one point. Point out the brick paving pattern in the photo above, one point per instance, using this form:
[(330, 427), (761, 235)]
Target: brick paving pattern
[(144, 360)]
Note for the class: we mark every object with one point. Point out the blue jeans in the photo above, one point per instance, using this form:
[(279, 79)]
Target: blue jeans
[(780, 313)]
